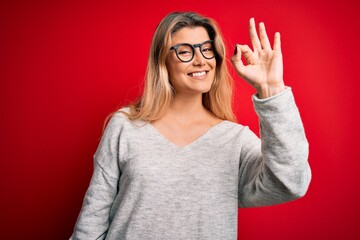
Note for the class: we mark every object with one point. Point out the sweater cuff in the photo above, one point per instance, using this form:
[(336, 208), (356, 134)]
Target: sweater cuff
[(278, 103)]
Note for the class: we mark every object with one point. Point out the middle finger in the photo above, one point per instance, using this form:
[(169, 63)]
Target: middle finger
[(263, 36)]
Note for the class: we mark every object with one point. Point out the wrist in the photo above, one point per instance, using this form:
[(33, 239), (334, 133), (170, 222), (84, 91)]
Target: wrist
[(268, 91)]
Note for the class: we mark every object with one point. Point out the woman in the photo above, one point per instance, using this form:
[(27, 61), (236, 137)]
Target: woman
[(175, 164)]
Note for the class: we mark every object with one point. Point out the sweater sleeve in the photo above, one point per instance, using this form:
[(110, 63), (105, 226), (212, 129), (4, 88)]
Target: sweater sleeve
[(93, 220), (274, 169)]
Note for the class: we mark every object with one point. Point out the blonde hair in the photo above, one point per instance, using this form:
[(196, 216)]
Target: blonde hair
[(158, 92)]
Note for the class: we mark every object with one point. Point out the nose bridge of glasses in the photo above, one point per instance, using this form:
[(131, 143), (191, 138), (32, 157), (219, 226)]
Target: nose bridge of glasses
[(199, 52)]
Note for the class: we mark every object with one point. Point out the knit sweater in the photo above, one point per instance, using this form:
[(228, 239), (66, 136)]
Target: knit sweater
[(145, 187)]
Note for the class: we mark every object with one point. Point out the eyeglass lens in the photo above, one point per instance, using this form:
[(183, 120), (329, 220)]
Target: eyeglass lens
[(186, 52)]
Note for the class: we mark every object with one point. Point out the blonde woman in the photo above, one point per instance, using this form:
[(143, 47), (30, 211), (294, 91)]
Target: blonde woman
[(175, 164)]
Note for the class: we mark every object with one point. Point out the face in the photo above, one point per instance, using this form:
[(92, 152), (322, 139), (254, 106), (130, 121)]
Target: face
[(196, 76)]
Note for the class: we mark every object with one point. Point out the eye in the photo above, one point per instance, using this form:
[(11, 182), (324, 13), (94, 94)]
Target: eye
[(184, 52), (207, 49)]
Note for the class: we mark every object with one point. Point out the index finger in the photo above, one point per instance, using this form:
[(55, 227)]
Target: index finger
[(253, 35)]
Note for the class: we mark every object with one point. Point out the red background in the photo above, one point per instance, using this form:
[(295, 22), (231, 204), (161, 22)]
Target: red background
[(65, 65)]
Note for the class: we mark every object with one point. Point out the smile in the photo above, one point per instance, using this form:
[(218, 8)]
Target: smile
[(198, 74)]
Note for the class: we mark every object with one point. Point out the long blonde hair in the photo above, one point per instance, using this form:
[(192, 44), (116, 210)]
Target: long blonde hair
[(158, 92)]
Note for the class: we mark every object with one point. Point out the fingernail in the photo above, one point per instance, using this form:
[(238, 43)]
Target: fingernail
[(235, 51)]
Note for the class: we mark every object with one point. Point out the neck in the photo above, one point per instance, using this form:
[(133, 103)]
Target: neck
[(187, 108)]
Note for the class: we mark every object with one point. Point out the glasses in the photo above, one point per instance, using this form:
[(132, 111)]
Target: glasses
[(185, 52)]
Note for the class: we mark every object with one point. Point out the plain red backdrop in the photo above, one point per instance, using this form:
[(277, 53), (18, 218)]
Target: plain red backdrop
[(65, 65)]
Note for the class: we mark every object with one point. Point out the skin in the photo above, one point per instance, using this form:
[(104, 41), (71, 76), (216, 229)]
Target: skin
[(264, 69), (187, 119), (186, 85)]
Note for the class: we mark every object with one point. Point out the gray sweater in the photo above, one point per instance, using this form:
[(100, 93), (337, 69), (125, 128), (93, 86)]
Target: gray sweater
[(145, 187)]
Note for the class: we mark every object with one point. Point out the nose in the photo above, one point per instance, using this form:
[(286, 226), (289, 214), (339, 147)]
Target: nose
[(198, 58)]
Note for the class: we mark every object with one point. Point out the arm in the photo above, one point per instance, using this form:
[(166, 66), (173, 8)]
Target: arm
[(94, 218), (276, 169)]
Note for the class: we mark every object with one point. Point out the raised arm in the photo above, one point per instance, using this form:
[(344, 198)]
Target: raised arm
[(273, 169)]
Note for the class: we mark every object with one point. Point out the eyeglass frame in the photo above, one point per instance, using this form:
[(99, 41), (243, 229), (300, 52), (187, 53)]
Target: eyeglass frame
[(199, 45)]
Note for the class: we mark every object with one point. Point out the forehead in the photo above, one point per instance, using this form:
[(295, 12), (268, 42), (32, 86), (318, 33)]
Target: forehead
[(190, 35)]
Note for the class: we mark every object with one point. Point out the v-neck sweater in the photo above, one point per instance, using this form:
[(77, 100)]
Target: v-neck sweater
[(146, 187)]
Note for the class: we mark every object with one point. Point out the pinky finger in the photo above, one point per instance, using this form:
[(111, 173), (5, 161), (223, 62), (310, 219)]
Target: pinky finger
[(277, 42)]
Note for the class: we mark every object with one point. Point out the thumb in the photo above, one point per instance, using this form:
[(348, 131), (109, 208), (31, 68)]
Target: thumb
[(237, 62), (236, 58)]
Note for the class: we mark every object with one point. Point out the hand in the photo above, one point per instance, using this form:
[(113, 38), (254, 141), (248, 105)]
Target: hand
[(264, 69)]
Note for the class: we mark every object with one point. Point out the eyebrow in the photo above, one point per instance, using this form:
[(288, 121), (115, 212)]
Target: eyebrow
[(191, 43)]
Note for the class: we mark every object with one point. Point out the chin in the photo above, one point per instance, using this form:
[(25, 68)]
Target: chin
[(207, 90), (203, 90)]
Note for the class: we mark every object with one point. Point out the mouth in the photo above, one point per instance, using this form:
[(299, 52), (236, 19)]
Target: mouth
[(198, 74)]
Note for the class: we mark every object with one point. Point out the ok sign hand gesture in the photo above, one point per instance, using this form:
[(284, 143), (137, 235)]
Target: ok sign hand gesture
[(264, 69)]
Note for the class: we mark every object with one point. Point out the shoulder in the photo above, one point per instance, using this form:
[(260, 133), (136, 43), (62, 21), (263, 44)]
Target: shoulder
[(119, 124), (121, 118), (232, 125), (239, 131), (240, 135), (120, 128), (229, 129)]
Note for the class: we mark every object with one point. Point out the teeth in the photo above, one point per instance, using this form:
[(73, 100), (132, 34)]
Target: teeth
[(198, 74)]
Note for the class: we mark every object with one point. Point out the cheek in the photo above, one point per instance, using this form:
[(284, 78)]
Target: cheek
[(213, 63), (213, 67), (176, 71), (174, 68)]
